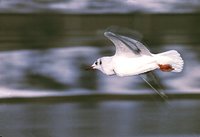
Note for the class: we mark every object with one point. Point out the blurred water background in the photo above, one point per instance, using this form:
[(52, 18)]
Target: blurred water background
[(45, 91)]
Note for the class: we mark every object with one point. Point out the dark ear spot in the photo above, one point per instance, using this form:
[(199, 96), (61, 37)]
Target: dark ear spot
[(100, 62)]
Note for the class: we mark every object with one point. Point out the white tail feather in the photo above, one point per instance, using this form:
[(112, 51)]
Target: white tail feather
[(172, 58)]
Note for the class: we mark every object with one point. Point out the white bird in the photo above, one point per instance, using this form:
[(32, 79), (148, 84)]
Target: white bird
[(133, 58)]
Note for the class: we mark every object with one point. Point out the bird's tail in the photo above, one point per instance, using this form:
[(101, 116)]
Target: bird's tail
[(170, 61)]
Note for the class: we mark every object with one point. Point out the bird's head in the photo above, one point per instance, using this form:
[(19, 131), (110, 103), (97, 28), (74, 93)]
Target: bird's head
[(103, 64), (97, 64)]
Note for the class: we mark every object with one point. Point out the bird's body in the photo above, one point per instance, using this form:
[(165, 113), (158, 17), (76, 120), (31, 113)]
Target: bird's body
[(133, 58), (123, 66)]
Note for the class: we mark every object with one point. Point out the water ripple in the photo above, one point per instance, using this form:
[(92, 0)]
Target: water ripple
[(99, 7)]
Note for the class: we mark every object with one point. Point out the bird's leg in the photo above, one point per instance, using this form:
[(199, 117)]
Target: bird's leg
[(166, 67)]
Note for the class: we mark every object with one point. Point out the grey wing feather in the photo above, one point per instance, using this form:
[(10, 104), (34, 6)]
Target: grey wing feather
[(134, 43), (154, 83), (126, 46)]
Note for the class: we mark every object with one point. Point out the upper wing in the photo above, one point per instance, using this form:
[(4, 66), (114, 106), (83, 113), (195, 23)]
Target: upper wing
[(126, 46)]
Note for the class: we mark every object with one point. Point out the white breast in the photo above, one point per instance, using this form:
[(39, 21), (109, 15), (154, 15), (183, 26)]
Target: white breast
[(133, 66)]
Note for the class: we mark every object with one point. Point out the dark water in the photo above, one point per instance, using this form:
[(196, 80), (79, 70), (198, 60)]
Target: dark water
[(112, 118), (45, 91)]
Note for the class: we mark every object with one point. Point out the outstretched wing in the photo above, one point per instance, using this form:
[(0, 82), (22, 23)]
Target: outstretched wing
[(126, 46)]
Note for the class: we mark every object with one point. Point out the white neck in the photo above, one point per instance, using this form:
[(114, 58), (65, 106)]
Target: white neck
[(107, 66)]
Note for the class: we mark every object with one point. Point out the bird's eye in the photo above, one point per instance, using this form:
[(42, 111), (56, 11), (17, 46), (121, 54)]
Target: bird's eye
[(100, 62), (96, 63)]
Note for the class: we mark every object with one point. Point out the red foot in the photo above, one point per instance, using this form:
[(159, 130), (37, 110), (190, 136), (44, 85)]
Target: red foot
[(165, 67)]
